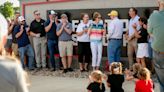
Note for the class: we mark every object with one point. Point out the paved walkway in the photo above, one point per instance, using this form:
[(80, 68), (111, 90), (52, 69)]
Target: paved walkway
[(65, 84)]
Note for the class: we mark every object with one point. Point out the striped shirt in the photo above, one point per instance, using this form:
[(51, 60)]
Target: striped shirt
[(96, 33)]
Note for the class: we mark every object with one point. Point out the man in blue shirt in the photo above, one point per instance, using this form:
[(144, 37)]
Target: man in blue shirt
[(50, 28), (21, 32)]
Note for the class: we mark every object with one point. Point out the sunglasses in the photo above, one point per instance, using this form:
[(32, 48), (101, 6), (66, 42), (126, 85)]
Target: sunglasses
[(38, 14), (99, 17), (22, 21)]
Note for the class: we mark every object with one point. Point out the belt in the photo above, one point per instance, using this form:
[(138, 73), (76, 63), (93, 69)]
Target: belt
[(66, 40), (161, 52), (114, 39)]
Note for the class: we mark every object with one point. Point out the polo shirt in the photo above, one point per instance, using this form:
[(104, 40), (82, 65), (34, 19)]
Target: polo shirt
[(131, 23), (96, 33), (38, 27), (84, 37), (64, 35), (115, 29), (156, 28), (23, 40), (51, 34)]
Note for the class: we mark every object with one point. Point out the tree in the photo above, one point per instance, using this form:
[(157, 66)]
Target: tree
[(7, 9), (16, 8)]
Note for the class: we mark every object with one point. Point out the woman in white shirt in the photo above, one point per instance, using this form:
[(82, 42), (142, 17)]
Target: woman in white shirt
[(84, 51)]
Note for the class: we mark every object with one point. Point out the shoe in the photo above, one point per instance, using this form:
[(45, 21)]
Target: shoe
[(38, 69), (70, 69), (85, 70), (61, 68), (52, 69), (44, 69), (31, 69), (65, 71), (82, 70)]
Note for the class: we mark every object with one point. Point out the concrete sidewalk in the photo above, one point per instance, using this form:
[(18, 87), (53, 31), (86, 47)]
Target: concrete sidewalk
[(65, 84)]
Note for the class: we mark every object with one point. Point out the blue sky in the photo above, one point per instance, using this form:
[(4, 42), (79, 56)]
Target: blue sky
[(15, 2)]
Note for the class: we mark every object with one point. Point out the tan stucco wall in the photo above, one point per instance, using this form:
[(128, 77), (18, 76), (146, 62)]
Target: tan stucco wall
[(84, 4)]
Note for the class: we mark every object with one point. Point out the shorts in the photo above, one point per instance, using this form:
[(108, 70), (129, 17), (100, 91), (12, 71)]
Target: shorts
[(65, 48), (15, 49), (8, 44), (142, 50)]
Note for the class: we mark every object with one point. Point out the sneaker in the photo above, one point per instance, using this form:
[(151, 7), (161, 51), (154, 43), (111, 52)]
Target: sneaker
[(38, 69), (70, 69), (81, 70), (65, 71), (31, 69), (85, 70), (44, 69), (52, 69)]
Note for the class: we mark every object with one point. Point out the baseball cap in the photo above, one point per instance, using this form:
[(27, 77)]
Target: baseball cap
[(52, 12), (63, 15), (21, 18), (17, 12), (113, 13)]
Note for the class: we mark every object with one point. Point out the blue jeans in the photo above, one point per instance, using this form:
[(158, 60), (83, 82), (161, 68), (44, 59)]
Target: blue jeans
[(159, 68), (52, 44), (27, 50), (114, 50), (150, 50)]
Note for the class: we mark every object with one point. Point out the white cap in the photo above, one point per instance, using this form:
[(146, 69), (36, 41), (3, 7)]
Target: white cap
[(52, 12), (21, 18)]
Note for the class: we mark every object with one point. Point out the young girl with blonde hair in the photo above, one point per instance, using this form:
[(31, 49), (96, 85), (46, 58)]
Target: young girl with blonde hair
[(144, 84), (96, 84), (116, 78)]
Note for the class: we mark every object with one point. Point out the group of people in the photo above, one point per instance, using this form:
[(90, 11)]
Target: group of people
[(56, 35), (50, 33), (139, 36)]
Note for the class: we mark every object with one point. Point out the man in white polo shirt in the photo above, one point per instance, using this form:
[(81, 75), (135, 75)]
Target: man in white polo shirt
[(115, 32), (132, 41)]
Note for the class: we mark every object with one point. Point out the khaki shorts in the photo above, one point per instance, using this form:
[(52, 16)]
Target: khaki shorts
[(65, 48), (15, 49)]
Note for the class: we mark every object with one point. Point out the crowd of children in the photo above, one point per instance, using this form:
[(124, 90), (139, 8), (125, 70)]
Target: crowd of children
[(116, 78)]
